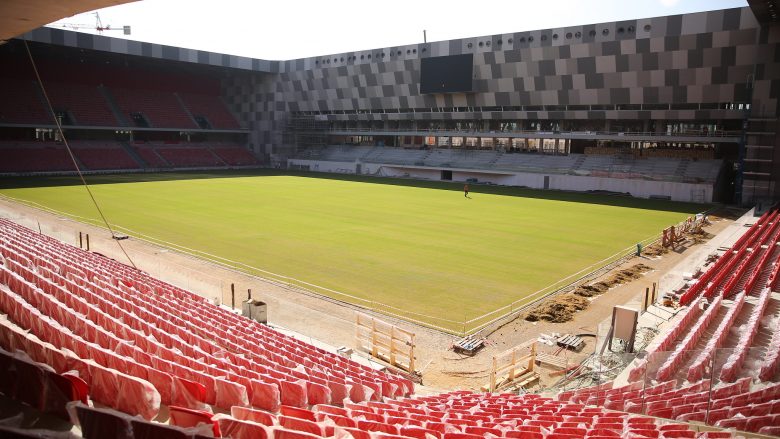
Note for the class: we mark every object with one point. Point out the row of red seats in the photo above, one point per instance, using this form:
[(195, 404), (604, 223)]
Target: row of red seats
[(21, 103), (235, 156), (697, 369), (37, 385), (189, 156), (35, 158), (676, 358), (150, 156), (105, 384), (162, 110), (699, 402), (321, 370), (726, 261), (85, 103), (96, 155), (212, 108), (712, 281), (735, 361), (771, 360)]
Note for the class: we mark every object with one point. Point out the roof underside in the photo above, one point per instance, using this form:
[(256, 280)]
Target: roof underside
[(20, 16), (766, 11)]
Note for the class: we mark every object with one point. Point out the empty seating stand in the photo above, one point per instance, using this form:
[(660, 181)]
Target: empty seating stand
[(212, 108), (140, 342), (25, 156), (744, 395), (161, 109), (99, 155), (85, 103), (235, 155), (22, 103)]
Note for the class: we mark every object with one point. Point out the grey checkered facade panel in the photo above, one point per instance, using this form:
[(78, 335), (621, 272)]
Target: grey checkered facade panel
[(702, 58)]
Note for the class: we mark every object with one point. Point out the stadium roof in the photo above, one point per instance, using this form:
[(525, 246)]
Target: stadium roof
[(20, 16)]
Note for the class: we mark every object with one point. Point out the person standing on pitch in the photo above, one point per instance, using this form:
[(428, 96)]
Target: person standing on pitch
[(466, 190)]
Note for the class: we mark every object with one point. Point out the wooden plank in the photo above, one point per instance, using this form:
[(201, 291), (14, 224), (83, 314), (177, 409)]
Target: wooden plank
[(551, 360), (385, 341)]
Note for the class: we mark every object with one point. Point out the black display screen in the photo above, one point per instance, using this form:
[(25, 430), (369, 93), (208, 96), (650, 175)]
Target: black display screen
[(446, 74)]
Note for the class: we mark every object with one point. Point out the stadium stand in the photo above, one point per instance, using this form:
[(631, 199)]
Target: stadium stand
[(21, 103), (97, 155), (159, 109), (26, 156), (234, 155), (210, 107), (646, 168), (188, 157), (134, 343), (140, 342), (137, 343), (150, 156), (698, 370), (84, 104)]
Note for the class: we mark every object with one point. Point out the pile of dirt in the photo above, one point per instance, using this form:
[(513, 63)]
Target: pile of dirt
[(559, 309), (655, 250), (621, 277), (700, 236)]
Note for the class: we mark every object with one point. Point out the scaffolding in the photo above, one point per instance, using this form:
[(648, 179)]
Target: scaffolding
[(306, 133)]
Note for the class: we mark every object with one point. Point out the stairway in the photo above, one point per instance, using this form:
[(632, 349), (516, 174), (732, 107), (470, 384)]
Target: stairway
[(682, 168), (224, 163), (186, 110), (134, 154), (495, 158), (580, 160), (121, 119)]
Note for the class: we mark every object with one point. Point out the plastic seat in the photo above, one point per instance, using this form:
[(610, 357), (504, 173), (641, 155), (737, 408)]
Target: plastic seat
[(238, 429), (184, 417), (249, 414), (155, 430), (98, 423)]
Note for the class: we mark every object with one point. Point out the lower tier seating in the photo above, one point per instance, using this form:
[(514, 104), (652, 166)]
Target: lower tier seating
[(139, 342), (718, 362)]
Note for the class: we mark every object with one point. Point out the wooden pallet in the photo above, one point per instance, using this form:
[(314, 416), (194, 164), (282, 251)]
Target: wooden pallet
[(469, 345), (570, 342), (551, 360)]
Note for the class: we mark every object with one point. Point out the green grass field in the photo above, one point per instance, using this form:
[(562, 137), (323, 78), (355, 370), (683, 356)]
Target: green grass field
[(418, 246)]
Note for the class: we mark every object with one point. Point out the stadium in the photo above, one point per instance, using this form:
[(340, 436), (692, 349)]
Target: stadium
[(564, 233)]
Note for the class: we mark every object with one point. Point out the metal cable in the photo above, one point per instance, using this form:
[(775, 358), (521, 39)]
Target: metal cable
[(73, 157)]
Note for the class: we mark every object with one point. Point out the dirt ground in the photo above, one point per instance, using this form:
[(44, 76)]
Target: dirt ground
[(327, 321)]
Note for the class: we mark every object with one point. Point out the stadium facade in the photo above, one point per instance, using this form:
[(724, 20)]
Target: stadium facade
[(682, 107)]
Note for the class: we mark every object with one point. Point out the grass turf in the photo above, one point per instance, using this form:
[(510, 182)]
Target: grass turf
[(419, 246)]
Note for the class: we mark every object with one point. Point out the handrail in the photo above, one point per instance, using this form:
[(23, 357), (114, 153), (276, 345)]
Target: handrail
[(687, 133)]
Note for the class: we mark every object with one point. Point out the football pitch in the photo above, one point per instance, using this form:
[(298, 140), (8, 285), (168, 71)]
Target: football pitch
[(416, 249)]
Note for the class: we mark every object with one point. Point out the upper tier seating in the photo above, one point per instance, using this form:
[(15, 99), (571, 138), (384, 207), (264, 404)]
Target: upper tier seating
[(212, 108), (85, 103), (161, 109), (140, 342), (21, 103), (716, 365)]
